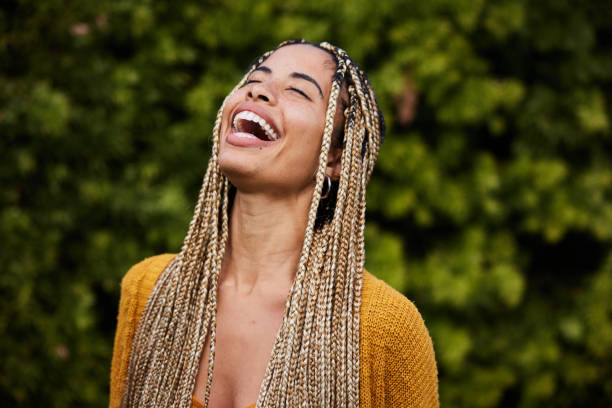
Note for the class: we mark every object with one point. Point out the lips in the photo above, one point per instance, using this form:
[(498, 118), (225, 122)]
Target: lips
[(252, 127), (250, 122)]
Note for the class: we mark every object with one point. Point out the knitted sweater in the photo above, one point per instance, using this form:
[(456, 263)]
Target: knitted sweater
[(397, 366)]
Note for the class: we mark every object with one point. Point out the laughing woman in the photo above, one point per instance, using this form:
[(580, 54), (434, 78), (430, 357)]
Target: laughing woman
[(267, 302)]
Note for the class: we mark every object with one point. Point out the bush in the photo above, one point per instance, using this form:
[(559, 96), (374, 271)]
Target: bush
[(490, 206)]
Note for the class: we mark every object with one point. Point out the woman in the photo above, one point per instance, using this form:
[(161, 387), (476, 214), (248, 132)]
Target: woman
[(267, 302)]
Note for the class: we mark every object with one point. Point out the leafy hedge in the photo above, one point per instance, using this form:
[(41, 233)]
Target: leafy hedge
[(491, 206)]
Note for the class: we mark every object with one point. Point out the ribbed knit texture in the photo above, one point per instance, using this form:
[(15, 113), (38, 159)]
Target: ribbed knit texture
[(398, 367)]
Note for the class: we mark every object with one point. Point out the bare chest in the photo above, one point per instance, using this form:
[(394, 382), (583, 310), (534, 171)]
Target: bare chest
[(245, 335)]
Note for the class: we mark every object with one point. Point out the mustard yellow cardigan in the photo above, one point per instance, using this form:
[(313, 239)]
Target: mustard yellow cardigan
[(397, 366)]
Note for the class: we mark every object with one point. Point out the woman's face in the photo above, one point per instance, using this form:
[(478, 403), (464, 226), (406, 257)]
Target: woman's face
[(272, 127)]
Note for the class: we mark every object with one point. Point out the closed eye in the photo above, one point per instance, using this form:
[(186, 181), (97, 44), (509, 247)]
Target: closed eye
[(251, 81), (300, 92)]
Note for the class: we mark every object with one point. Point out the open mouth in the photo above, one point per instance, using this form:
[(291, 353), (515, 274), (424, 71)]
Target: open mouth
[(253, 124)]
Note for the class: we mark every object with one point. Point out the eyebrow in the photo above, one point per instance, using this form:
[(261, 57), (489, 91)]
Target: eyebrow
[(263, 69), (297, 75)]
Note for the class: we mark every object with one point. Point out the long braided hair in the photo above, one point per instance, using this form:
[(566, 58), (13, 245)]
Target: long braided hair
[(315, 359)]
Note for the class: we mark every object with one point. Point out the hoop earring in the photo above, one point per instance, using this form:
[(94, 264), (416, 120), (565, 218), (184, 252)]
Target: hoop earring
[(329, 187)]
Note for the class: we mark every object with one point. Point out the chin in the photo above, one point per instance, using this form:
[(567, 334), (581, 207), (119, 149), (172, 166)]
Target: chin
[(240, 171), (244, 166)]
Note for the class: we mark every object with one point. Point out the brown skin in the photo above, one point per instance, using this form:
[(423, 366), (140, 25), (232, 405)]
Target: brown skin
[(268, 218)]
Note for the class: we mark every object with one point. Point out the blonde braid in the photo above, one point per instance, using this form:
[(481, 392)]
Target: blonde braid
[(315, 358)]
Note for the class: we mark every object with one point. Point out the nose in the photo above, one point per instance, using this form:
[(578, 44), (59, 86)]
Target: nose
[(262, 92)]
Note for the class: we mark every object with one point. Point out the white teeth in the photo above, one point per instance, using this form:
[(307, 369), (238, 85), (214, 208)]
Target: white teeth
[(253, 117)]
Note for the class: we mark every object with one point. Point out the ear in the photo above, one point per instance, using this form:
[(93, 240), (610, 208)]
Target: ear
[(334, 165)]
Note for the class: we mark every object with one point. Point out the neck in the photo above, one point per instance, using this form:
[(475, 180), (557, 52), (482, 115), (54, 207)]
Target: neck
[(265, 240)]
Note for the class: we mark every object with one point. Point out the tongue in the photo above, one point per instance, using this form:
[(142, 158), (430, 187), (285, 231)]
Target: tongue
[(254, 129)]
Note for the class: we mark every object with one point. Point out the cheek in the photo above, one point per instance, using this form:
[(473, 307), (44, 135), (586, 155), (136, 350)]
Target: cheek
[(309, 124), (232, 98), (306, 137), (231, 102)]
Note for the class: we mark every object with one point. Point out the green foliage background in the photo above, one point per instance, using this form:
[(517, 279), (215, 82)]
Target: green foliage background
[(491, 206)]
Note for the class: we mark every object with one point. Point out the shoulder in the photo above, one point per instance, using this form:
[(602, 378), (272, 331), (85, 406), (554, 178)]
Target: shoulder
[(146, 270), (136, 286), (398, 366), (386, 311), (140, 279)]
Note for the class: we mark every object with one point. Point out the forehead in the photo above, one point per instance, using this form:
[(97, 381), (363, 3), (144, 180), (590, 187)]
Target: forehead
[(302, 58)]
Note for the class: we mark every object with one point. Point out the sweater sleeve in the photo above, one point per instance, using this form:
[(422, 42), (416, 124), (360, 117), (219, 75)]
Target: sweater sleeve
[(136, 286), (398, 367)]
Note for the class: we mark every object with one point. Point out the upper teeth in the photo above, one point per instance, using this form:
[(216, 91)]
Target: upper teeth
[(253, 117)]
